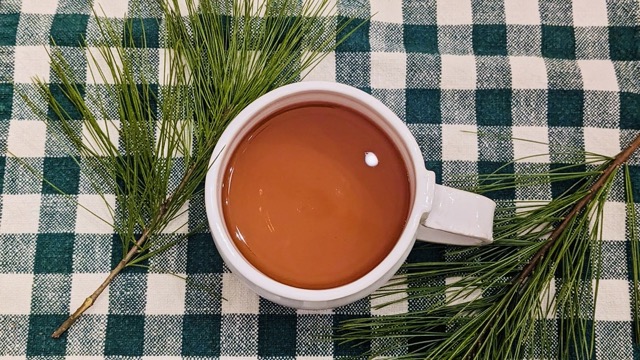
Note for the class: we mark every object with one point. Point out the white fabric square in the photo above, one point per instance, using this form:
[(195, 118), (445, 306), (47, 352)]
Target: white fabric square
[(534, 146), (598, 75), (31, 62), (98, 71), (528, 72), (602, 141), (110, 8), (82, 285), (165, 294), (20, 214), (325, 70), (387, 11), (109, 127), (458, 72), (398, 307), (614, 221), (459, 295), (240, 299), (165, 137), (590, 13), (95, 214), (388, 70), (165, 59), (458, 144), (39, 6), (180, 224), (523, 12), (612, 303), (547, 299), (454, 12), (27, 138), (15, 292)]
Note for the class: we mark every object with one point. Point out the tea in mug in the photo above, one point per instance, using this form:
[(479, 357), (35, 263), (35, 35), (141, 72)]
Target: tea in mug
[(315, 196)]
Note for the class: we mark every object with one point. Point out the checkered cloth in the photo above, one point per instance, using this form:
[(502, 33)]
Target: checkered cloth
[(560, 72)]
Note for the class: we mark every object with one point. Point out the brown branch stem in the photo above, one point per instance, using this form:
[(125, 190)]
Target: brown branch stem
[(89, 301), (620, 159)]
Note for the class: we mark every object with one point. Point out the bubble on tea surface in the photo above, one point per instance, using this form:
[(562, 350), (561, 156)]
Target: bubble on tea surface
[(370, 159)]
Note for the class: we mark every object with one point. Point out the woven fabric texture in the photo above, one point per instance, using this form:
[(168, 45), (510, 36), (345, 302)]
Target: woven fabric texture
[(559, 72)]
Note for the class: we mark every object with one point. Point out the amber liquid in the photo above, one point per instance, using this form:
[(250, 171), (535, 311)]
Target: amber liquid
[(302, 205)]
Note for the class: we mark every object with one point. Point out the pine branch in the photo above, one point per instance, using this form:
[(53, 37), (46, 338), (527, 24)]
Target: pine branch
[(534, 245), (131, 254), (222, 56), (620, 159)]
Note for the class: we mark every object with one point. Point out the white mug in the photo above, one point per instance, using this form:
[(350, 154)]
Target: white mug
[(438, 214)]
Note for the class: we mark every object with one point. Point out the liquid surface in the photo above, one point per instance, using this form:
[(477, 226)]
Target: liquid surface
[(304, 207)]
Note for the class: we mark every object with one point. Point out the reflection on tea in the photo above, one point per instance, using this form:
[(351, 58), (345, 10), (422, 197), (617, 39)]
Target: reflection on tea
[(315, 196)]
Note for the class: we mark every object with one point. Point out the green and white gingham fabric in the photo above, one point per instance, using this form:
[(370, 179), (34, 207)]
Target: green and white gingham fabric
[(560, 72)]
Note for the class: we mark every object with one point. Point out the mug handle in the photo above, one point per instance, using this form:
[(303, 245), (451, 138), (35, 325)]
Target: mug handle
[(456, 217)]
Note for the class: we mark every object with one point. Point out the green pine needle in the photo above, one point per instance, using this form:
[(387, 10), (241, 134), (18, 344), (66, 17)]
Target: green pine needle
[(498, 302), (149, 143)]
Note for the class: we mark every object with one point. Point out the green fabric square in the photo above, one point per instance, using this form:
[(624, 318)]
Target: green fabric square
[(141, 33), (565, 107), (560, 187), (436, 167), (124, 335), (70, 110), (426, 252), (582, 329), (490, 39), (629, 110), (201, 335), (421, 38), (418, 343), (6, 100), (276, 335), (490, 167), (348, 349), (558, 42), (8, 29), (62, 173), (493, 107), (68, 29), (624, 43), (423, 106), (39, 340), (634, 172), (359, 38), (202, 256), (54, 253)]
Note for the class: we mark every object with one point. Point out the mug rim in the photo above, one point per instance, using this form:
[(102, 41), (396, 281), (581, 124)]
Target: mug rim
[(300, 297)]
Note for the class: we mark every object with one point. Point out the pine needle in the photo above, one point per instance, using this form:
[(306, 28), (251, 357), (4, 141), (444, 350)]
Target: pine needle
[(501, 301), (149, 140)]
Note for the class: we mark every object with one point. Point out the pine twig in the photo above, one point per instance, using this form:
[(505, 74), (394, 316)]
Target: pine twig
[(88, 302), (521, 278), (620, 159)]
